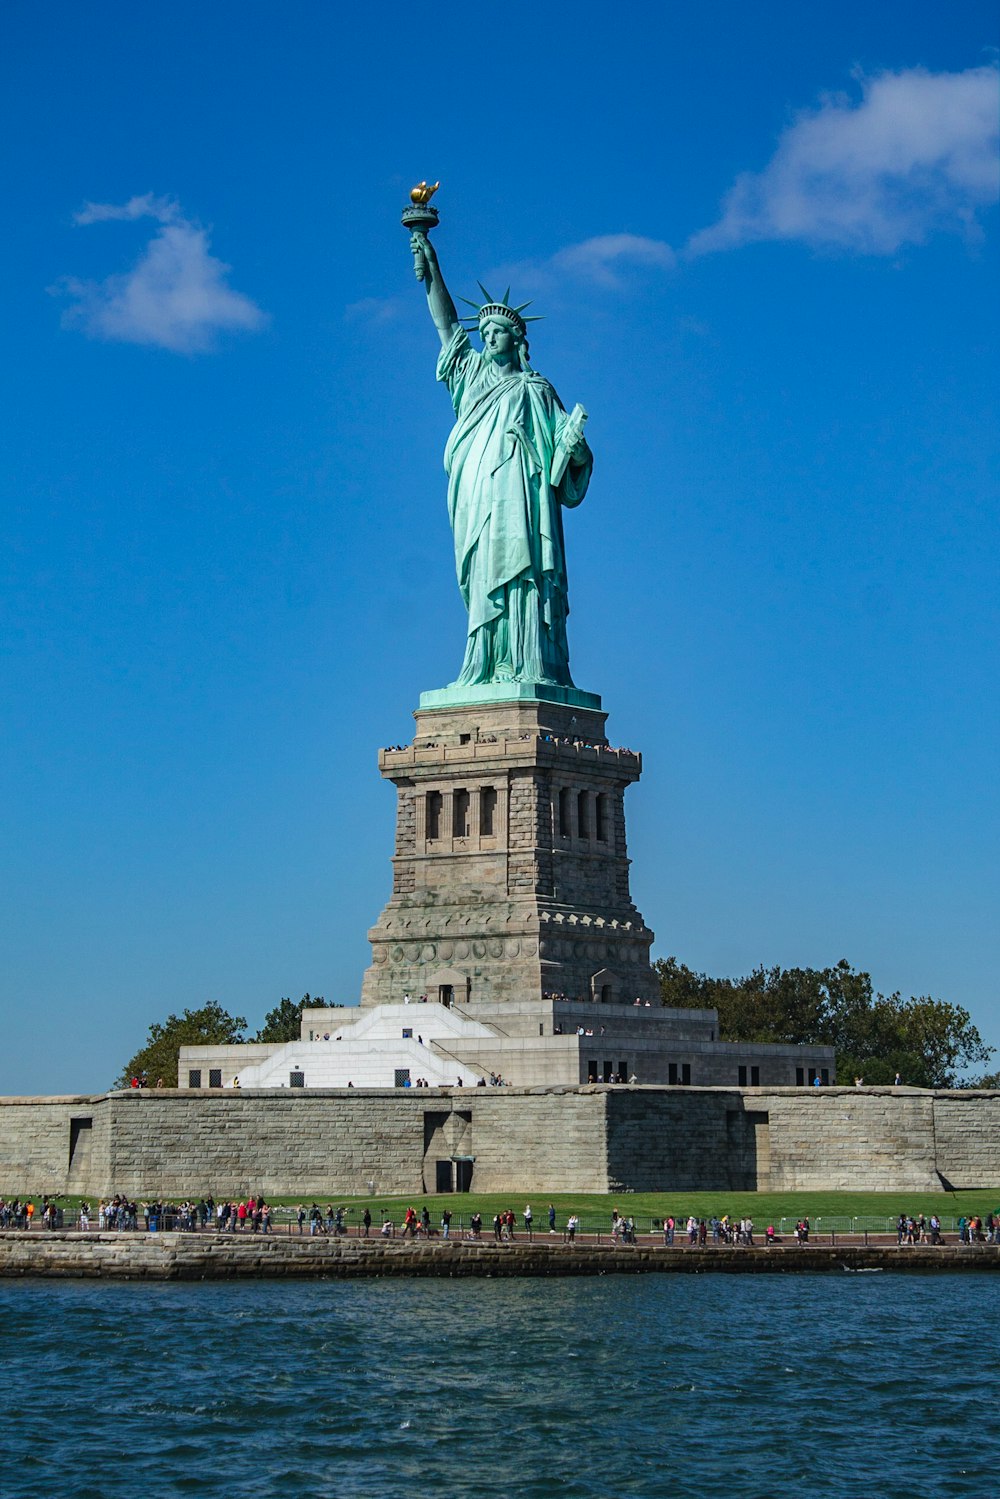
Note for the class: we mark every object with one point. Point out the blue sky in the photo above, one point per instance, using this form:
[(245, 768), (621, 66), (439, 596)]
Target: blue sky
[(765, 242)]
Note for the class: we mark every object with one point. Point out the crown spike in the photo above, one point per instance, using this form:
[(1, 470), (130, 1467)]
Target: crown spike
[(485, 292)]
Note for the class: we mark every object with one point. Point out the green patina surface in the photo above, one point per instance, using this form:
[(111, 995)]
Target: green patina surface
[(515, 460), (507, 692)]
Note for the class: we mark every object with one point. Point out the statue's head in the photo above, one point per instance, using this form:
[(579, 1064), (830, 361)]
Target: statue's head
[(503, 329), (504, 342)]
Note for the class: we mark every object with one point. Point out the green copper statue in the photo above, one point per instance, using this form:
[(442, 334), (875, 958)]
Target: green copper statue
[(514, 459)]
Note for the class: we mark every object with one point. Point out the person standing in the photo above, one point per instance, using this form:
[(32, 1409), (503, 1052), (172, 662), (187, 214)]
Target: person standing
[(552, 1218), (446, 1223), (527, 1219)]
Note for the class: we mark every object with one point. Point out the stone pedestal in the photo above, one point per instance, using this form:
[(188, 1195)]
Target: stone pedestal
[(510, 871)]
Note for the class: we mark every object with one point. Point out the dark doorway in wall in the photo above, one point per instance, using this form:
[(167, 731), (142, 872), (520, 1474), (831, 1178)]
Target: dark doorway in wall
[(463, 1173), (443, 1175), (80, 1136)]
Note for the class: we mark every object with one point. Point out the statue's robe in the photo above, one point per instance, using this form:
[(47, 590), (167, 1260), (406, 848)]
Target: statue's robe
[(506, 517)]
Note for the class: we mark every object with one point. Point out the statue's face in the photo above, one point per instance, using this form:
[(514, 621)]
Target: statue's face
[(499, 341)]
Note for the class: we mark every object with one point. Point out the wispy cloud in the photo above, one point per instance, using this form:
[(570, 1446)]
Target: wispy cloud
[(604, 261), (176, 296), (916, 153), (148, 206), (376, 311), (605, 258)]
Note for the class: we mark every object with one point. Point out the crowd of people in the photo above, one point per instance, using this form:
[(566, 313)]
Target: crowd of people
[(592, 999), (576, 741), (918, 1229), (16, 1213), (725, 1230), (253, 1214)]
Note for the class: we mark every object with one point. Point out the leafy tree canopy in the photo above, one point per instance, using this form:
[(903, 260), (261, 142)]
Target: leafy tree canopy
[(209, 1026), (284, 1022), (931, 1043)]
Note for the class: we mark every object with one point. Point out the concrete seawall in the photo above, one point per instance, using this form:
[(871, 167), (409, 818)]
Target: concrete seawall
[(176, 1256)]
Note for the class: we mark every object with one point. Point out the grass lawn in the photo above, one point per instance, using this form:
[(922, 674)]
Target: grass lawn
[(594, 1208)]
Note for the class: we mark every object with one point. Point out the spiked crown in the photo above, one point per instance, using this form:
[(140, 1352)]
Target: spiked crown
[(499, 309)]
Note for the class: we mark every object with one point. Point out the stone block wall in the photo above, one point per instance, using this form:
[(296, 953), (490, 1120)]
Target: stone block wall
[(673, 1136), (541, 1140), (48, 1145), (472, 894), (967, 1138), (850, 1139), (279, 1142), (532, 1140)]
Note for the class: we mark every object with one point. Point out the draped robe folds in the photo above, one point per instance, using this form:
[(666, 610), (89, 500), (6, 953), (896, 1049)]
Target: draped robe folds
[(506, 517)]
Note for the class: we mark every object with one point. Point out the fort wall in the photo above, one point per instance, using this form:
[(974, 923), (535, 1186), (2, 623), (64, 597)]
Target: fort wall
[(320, 1142)]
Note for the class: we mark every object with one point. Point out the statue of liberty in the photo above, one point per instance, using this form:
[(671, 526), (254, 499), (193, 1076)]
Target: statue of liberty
[(514, 459)]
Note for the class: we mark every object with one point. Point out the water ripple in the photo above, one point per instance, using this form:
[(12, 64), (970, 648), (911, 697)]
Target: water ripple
[(587, 1387)]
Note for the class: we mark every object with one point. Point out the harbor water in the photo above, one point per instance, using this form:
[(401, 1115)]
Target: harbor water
[(852, 1384)]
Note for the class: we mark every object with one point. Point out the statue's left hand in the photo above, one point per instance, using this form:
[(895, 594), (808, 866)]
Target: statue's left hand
[(423, 256)]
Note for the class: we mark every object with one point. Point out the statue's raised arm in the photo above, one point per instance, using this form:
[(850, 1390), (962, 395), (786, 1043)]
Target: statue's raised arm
[(428, 270)]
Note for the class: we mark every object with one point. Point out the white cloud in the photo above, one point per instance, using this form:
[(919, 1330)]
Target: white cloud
[(603, 258), (148, 206), (176, 296), (601, 261), (376, 311), (918, 152)]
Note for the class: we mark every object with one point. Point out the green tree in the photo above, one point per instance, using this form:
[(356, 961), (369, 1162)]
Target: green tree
[(209, 1026), (284, 1022), (930, 1043)]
